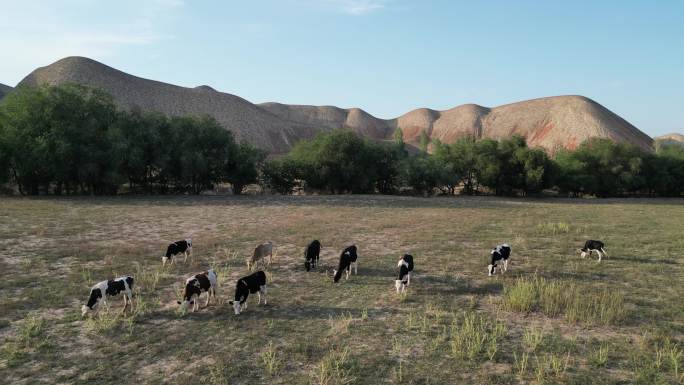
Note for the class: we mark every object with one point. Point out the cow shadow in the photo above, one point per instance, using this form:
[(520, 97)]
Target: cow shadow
[(636, 259), (455, 285), (309, 312)]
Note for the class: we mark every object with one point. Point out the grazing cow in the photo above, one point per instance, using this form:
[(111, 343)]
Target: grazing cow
[(591, 246), (311, 255), (111, 288), (499, 253), (260, 253), (195, 285), (405, 266), (347, 258), (253, 283), (184, 246)]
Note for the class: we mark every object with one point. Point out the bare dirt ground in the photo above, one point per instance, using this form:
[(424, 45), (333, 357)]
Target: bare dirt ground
[(617, 322)]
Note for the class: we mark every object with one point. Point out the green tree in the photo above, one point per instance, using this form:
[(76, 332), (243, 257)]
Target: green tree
[(421, 173), (424, 141), (280, 175), (243, 167), (57, 138)]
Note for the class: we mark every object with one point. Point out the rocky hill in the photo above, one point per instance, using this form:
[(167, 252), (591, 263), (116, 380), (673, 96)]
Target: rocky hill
[(4, 90), (550, 123), (669, 139)]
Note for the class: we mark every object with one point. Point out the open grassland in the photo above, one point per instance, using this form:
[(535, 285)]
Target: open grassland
[(553, 318)]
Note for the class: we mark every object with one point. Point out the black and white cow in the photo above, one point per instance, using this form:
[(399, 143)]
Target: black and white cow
[(111, 288), (253, 283), (499, 253), (195, 286), (311, 255), (175, 248), (347, 259), (591, 246), (405, 266)]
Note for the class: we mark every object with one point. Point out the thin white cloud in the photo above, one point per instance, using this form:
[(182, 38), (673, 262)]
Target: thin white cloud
[(37, 33), (358, 7)]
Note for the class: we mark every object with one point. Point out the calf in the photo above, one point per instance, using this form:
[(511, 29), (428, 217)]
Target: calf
[(499, 253), (311, 255), (405, 266), (175, 248), (591, 246), (260, 253), (111, 288), (347, 258), (195, 285), (254, 283)]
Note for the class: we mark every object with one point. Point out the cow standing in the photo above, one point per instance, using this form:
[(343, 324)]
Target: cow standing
[(311, 255), (405, 266), (591, 246), (260, 253), (196, 285), (499, 253), (253, 283), (347, 259), (110, 288), (175, 248)]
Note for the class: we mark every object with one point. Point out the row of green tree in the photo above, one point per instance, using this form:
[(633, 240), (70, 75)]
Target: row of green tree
[(342, 162), (73, 140)]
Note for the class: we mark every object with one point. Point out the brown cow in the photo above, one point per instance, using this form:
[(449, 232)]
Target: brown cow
[(260, 253)]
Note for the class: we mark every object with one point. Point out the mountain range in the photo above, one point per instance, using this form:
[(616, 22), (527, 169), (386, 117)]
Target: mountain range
[(550, 122)]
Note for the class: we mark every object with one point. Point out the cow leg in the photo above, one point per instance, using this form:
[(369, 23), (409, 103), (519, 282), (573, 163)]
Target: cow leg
[(599, 254), (348, 272), (397, 285), (263, 288), (259, 296), (208, 297), (356, 268), (129, 294), (408, 281), (185, 255), (505, 265)]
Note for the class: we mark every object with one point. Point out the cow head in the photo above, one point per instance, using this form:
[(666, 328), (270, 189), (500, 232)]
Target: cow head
[(185, 303), (491, 269), (192, 287), (307, 265), (93, 301), (583, 252), (236, 307)]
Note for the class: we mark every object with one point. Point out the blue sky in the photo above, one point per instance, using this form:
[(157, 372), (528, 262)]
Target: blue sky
[(385, 56)]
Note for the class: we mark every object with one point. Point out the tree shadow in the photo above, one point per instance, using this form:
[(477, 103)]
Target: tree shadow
[(347, 200)]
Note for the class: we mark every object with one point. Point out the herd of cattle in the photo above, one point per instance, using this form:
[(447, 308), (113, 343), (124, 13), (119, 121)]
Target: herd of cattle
[(256, 282)]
